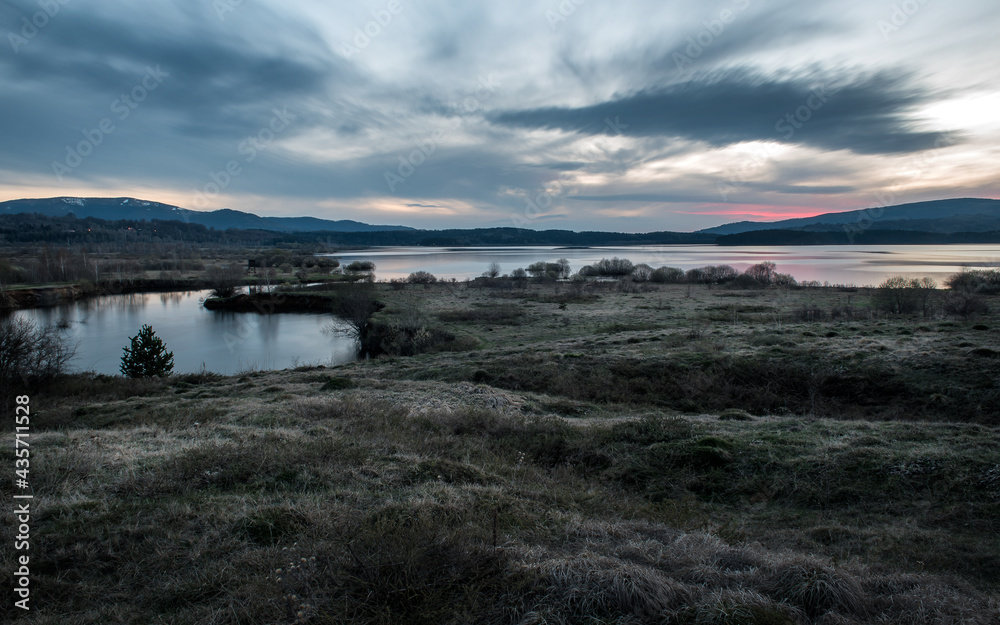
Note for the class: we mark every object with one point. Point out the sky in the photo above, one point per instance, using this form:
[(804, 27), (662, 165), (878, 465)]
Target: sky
[(632, 115)]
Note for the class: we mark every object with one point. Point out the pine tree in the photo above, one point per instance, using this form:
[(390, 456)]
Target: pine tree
[(147, 357)]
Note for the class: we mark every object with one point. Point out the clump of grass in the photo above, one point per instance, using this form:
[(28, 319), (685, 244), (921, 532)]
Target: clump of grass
[(735, 414), (414, 569), (816, 589), (448, 471), (337, 384), (729, 607)]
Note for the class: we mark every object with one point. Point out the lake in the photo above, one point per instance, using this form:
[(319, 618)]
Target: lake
[(227, 342), (223, 342), (838, 264)]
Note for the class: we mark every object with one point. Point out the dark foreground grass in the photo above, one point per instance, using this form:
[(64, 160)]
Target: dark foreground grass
[(351, 505), (636, 457)]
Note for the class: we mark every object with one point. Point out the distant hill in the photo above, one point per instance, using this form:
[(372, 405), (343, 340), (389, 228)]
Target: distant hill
[(938, 216), (127, 208), (867, 237)]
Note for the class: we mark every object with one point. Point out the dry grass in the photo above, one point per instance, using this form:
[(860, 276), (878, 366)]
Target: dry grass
[(399, 491)]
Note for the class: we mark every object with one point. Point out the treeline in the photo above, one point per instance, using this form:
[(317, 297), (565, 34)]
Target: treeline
[(71, 230), (101, 235), (854, 235), (511, 236)]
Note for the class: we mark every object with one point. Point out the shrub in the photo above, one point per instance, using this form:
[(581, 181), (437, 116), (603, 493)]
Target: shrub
[(550, 271), (975, 281), (785, 279), (421, 277), (965, 304), (899, 295), (224, 281), (29, 354), (615, 267), (667, 275), (712, 274), (762, 273), (147, 357), (642, 272)]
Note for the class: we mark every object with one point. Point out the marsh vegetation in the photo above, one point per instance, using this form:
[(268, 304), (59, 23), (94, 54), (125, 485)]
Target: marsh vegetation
[(533, 451)]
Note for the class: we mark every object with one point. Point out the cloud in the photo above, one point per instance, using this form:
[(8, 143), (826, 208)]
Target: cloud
[(864, 114), (521, 107)]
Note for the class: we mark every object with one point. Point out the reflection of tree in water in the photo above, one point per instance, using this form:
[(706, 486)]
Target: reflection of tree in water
[(173, 297), (268, 328), (133, 302)]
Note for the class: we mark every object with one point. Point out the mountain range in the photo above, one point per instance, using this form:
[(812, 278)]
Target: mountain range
[(937, 216), (128, 208), (923, 220)]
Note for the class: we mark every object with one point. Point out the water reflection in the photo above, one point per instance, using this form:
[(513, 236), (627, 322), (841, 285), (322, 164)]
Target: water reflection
[(838, 264), (220, 341)]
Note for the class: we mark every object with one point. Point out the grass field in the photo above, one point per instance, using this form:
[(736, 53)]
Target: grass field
[(555, 454)]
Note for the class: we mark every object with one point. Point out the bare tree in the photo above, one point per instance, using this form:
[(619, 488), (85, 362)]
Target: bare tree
[(29, 355), (355, 304), (224, 281)]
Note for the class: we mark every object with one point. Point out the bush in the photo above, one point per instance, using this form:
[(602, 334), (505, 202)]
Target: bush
[(224, 281), (147, 357), (642, 272), (975, 281), (762, 273), (899, 295), (29, 355), (712, 274), (550, 271), (667, 275), (421, 277), (965, 305), (615, 267)]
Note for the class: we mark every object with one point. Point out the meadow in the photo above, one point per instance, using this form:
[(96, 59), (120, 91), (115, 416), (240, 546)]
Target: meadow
[(542, 452)]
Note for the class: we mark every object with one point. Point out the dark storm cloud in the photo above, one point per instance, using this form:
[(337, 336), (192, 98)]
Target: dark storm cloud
[(220, 79), (866, 115), (639, 89)]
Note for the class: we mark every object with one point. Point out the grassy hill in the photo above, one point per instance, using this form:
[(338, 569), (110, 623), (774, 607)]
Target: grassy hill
[(602, 454)]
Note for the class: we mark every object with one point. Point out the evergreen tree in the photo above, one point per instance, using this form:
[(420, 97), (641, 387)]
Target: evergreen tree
[(147, 357)]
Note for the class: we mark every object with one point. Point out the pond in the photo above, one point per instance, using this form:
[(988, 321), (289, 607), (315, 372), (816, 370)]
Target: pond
[(222, 342), (227, 342)]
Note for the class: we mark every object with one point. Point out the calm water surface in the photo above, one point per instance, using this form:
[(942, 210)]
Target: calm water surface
[(838, 264), (229, 342), (223, 342)]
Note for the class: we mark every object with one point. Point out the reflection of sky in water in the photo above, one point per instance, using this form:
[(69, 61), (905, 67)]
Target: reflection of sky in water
[(860, 265), (222, 342)]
